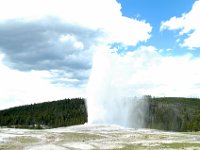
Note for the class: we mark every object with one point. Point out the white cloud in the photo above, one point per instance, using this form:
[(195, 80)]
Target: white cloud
[(19, 88), (70, 38), (56, 39), (94, 14), (187, 24), (169, 49)]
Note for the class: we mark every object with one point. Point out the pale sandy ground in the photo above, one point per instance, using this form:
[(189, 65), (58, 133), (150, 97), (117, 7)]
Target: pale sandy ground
[(96, 137)]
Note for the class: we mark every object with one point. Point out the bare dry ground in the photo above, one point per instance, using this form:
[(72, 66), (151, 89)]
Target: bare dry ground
[(96, 137)]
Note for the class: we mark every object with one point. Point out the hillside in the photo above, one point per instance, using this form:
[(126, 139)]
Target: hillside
[(166, 113), (176, 114), (46, 115)]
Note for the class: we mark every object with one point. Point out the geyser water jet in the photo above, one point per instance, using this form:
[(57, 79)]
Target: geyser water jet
[(117, 78), (112, 98)]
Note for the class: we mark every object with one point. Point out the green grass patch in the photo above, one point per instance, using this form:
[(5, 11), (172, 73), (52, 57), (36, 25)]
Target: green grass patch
[(192, 133), (79, 137), (135, 147), (18, 143), (179, 145), (25, 140), (160, 146), (8, 147)]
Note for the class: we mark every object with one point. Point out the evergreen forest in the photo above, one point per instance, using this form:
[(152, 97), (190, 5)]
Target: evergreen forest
[(164, 113), (59, 113)]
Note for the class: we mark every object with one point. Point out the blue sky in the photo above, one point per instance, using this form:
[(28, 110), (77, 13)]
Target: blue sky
[(155, 12), (151, 47)]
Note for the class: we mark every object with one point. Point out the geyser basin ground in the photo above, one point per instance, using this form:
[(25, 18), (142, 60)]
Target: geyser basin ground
[(96, 137)]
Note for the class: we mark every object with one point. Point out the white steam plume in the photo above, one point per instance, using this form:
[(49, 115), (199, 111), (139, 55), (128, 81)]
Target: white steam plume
[(111, 98), (118, 82)]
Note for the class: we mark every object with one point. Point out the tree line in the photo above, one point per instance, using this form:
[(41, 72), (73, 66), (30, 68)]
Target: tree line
[(46, 115), (173, 114), (164, 113)]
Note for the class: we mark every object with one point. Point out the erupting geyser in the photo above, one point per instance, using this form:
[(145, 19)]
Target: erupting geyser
[(112, 98), (118, 83)]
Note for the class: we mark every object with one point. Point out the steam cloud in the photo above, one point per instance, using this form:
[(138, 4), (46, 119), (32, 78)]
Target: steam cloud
[(111, 98), (118, 83)]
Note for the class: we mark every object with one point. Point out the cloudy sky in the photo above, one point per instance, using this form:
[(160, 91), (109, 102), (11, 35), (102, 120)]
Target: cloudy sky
[(47, 47)]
